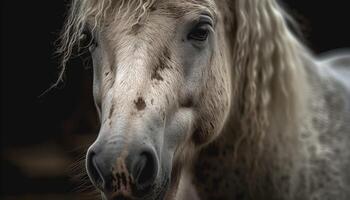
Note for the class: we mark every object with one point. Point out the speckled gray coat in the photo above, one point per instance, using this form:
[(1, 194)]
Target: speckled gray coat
[(323, 172)]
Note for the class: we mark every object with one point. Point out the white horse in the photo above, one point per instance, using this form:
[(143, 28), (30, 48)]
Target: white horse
[(211, 99)]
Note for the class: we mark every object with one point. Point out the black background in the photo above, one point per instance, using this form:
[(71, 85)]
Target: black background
[(28, 67)]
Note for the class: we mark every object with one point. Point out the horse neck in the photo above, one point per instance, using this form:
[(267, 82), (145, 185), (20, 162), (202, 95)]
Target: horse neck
[(246, 169), (220, 172)]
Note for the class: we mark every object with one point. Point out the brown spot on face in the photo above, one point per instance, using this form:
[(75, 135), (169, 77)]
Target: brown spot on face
[(118, 177), (163, 59), (111, 112), (161, 65), (140, 104), (167, 53), (157, 76), (121, 180), (123, 177)]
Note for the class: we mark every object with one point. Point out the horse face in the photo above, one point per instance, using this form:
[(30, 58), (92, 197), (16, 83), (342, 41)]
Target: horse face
[(162, 89)]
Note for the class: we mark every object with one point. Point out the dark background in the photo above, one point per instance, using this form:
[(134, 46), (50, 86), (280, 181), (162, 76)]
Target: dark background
[(42, 136)]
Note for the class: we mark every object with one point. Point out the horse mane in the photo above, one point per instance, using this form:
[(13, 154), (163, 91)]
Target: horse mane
[(268, 83)]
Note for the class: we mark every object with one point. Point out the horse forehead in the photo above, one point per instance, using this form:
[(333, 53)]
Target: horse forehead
[(170, 7), (187, 5), (125, 18)]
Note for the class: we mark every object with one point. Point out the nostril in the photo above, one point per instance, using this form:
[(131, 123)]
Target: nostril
[(145, 170), (93, 170)]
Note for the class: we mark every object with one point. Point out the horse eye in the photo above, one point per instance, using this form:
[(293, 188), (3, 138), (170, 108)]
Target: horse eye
[(200, 32)]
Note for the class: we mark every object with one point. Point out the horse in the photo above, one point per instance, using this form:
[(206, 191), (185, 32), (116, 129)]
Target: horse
[(211, 99)]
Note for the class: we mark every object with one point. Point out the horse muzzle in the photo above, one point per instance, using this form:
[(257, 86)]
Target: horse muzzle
[(123, 173)]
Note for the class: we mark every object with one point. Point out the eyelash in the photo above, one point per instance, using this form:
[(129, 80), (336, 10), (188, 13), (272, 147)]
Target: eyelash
[(200, 32)]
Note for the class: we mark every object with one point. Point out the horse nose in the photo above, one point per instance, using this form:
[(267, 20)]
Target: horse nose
[(98, 170), (144, 168), (110, 173)]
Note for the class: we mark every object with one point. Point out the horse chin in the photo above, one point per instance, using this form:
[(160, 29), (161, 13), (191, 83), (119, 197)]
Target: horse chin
[(157, 192), (154, 196)]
